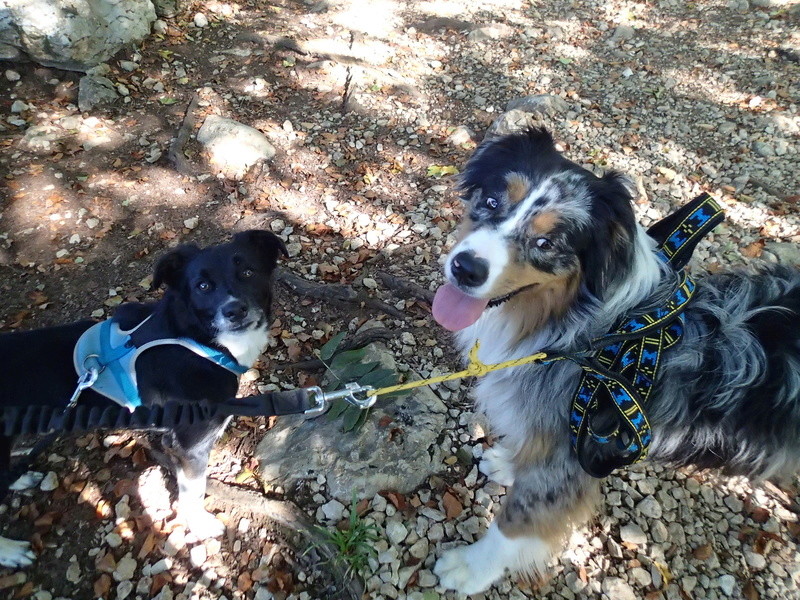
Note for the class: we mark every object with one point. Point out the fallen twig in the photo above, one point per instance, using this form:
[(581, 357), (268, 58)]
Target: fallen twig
[(176, 155), (405, 289), (334, 292)]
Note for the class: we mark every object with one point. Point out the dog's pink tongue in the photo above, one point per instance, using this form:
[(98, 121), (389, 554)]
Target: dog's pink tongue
[(454, 310)]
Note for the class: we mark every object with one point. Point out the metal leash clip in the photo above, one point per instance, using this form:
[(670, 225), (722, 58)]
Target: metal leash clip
[(85, 381), (349, 394)]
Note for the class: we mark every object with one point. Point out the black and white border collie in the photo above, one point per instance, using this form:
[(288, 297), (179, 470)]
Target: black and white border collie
[(220, 297), (549, 257)]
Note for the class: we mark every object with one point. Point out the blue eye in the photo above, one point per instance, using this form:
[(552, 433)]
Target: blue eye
[(247, 273), (491, 203), (203, 286)]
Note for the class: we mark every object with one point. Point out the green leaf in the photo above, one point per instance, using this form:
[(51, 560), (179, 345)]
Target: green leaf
[(167, 100), (353, 371), (337, 408), (327, 351), (351, 417), (564, 60), (379, 378), (345, 358), (362, 418)]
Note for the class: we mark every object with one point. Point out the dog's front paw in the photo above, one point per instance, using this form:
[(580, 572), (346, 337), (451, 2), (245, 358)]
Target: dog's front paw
[(497, 466), (202, 524), (15, 554), (467, 570), (29, 480)]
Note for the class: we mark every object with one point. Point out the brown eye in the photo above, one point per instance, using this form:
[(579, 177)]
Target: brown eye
[(203, 286), (544, 244), (491, 203)]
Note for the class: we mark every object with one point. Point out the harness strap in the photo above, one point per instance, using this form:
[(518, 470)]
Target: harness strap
[(608, 422)]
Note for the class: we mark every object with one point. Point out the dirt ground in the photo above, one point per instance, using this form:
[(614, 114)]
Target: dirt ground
[(361, 103)]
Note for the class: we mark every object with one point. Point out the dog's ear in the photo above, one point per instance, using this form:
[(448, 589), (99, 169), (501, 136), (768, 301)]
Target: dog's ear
[(610, 252), (170, 267), (266, 243)]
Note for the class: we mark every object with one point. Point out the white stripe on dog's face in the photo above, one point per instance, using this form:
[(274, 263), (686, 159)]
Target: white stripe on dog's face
[(506, 244)]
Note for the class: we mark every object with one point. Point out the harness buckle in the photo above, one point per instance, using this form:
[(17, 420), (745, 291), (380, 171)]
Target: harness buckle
[(350, 394)]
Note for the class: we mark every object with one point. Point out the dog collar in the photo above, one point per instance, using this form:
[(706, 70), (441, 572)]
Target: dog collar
[(608, 422), (113, 352)]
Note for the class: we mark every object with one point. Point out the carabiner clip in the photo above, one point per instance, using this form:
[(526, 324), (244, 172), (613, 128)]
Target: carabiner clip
[(323, 399)]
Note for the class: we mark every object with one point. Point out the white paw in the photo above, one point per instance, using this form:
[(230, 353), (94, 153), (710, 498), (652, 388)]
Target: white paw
[(496, 465), (31, 479), (466, 570), (15, 554), (202, 523)]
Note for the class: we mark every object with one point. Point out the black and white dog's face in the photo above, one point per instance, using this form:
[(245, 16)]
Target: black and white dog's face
[(533, 219), (222, 292)]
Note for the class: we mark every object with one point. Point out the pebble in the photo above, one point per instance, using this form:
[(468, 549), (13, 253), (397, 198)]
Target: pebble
[(12, 75), (49, 482), (126, 567), (124, 589), (633, 534), (650, 508), (333, 510), (727, 583), (616, 588), (19, 106), (198, 555), (396, 532), (200, 20)]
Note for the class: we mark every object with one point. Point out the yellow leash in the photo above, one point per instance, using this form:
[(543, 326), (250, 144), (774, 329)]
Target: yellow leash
[(475, 368)]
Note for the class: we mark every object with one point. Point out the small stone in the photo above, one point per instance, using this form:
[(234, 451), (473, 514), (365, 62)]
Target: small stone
[(755, 560), (370, 283), (616, 588), (12, 75), (19, 106), (396, 532), (641, 577), (73, 574), (160, 26), (191, 222), (727, 583), (650, 508), (419, 549), (198, 555), (633, 534), (623, 33), (426, 579), (124, 589), (200, 20), (114, 540), (176, 541), (333, 510), (49, 483), (575, 583), (126, 567), (659, 532), (763, 149), (128, 65)]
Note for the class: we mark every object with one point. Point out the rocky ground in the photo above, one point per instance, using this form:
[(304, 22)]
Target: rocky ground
[(369, 106)]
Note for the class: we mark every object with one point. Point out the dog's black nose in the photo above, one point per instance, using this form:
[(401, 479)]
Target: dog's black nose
[(469, 270), (234, 311)]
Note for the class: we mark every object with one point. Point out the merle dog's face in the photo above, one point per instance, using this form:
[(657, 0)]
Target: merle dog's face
[(225, 288), (534, 222)]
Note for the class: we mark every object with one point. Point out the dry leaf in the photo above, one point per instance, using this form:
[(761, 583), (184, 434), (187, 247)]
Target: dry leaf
[(754, 250), (703, 552), (452, 506), (148, 546), (749, 591)]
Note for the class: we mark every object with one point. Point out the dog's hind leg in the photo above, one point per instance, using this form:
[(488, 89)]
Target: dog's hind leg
[(189, 450), (548, 499)]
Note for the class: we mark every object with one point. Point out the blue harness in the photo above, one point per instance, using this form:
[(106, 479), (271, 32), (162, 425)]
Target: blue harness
[(608, 422), (112, 352)]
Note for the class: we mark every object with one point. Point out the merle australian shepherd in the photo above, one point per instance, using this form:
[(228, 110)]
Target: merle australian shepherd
[(219, 297), (550, 257)]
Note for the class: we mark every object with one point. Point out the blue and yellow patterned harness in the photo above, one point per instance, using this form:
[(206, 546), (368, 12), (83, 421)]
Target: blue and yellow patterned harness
[(608, 421)]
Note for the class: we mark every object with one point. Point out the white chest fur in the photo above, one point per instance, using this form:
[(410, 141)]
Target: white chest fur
[(245, 346)]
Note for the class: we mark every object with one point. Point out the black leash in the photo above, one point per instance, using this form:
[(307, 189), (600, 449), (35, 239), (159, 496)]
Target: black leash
[(15, 420)]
